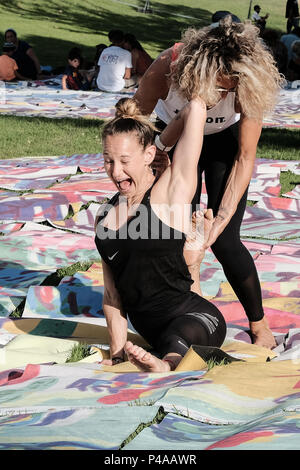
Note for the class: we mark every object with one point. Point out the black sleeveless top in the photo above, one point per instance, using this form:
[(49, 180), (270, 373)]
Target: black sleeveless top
[(146, 259)]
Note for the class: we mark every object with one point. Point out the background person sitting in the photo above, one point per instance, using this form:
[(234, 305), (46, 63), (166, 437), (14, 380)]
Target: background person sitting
[(141, 60), (259, 21), (99, 49), (289, 39), (115, 65), (72, 78), (24, 55), (293, 71), (94, 68), (271, 37), (8, 66)]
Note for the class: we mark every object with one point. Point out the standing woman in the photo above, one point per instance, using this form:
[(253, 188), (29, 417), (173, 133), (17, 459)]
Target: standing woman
[(24, 55), (140, 236), (232, 71)]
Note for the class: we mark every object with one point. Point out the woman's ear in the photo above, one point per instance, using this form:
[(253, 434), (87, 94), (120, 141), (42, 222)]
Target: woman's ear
[(149, 154)]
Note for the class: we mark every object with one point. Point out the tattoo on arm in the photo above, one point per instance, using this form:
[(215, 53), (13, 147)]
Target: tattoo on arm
[(222, 213)]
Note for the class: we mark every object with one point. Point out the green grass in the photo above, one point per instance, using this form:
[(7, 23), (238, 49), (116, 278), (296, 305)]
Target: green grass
[(156, 420), (279, 144), (32, 136), (52, 28), (78, 352), (54, 279), (288, 181), (26, 136)]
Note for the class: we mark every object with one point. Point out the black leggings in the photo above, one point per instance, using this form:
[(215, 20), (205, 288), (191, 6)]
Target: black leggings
[(216, 160), (195, 321)]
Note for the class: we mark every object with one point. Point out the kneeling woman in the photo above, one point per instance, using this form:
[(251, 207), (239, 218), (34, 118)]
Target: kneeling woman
[(140, 235)]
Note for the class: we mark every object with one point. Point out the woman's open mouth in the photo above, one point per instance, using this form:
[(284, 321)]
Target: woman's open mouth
[(124, 185)]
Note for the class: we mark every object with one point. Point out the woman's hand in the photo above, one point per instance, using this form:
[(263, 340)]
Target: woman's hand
[(217, 226)]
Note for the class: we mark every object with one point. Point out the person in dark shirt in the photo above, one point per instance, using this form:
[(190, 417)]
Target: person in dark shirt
[(293, 72), (27, 61), (72, 78), (141, 234)]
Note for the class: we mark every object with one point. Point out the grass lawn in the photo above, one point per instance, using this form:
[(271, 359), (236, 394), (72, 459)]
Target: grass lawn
[(35, 136), (52, 28)]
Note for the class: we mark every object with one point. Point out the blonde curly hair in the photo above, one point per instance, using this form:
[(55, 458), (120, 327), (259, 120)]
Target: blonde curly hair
[(231, 50), (128, 118)]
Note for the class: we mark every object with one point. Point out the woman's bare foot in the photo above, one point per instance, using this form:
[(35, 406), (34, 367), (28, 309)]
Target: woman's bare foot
[(144, 360), (193, 248), (261, 334), (197, 236)]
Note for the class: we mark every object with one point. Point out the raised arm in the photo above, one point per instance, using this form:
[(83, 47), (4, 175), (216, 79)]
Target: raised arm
[(186, 128), (115, 318), (154, 83), (240, 176)]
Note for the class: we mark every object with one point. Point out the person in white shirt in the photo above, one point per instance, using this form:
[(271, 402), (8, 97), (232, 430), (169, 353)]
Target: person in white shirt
[(259, 21), (115, 65)]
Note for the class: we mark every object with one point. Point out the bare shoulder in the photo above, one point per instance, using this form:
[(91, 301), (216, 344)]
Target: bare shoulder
[(154, 83)]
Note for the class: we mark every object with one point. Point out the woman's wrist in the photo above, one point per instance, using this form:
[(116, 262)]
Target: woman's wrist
[(117, 360), (118, 357), (160, 145)]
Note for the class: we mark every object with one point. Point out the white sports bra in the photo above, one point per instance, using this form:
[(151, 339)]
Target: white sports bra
[(219, 117)]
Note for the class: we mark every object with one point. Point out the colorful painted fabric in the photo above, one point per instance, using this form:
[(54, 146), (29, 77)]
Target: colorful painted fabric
[(269, 228), (82, 222), (56, 103), (7, 227), (31, 254), (63, 386), (278, 431), (279, 206), (237, 393), (64, 301), (281, 305), (91, 182), (34, 207), (45, 100), (82, 332), (37, 245), (286, 112), (83, 428), (35, 178)]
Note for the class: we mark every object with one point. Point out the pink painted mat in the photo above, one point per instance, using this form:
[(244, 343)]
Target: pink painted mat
[(68, 209)]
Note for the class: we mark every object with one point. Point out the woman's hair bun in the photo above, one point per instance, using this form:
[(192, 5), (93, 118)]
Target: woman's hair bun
[(127, 108)]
